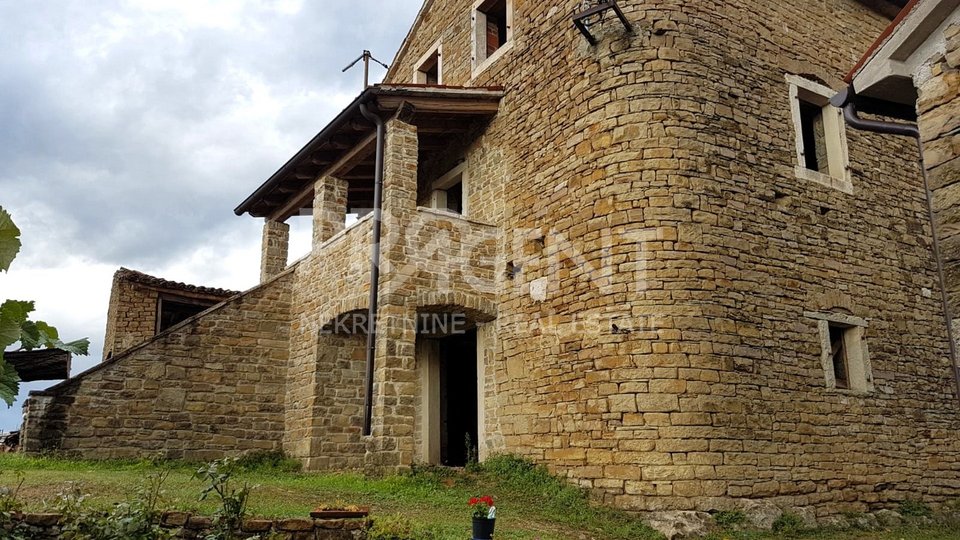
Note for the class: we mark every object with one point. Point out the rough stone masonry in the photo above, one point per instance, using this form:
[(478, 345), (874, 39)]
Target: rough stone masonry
[(654, 287)]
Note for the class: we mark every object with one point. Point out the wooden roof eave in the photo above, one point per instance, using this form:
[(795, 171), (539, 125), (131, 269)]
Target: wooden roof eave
[(40, 364), (343, 144)]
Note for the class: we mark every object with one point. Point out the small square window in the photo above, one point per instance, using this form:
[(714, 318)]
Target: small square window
[(492, 30), (844, 357), (819, 135), (428, 69)]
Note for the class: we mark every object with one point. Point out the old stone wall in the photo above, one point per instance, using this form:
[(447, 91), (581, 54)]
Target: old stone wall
[(135, 306), (211, 386), (655, 343), (131, 316), (939, 110), (324, 398)]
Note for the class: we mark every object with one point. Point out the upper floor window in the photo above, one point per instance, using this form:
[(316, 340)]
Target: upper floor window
[(819, 135), (448, 191), (429, 68), (492, 30)]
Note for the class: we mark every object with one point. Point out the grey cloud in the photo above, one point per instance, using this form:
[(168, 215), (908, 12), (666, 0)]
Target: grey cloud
[(129, 132)]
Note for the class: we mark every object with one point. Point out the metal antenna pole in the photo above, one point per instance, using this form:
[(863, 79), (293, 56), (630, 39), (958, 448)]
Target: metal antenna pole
[(366, 57)]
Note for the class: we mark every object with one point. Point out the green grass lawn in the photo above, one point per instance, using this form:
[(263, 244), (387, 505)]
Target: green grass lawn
[(531, 504)]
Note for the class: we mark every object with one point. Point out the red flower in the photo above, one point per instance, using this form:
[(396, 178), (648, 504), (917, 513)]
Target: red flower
[(474, 500)]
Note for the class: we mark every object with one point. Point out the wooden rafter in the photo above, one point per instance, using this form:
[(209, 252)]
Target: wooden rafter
[(40, 364)]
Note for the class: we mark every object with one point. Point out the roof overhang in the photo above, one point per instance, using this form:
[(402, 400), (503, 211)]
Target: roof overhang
[(887, 8), (346, 146), (40, 364), (900, 58)]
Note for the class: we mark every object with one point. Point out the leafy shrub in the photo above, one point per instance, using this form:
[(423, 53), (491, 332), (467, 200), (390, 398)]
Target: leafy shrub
[(788, 524), (10, 506), (137, 519), (267, 460), (397, 527), (233, 501), (914, 508), (729, 519)]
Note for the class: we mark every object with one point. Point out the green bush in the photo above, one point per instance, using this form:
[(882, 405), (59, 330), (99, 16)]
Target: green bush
[(218, 476), (729, 519), (396, 527), (915, 508), (266, 461), (788, 524), (134, 520)]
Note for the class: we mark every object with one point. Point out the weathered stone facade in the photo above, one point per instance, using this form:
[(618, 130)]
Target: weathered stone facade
[(212, 385), (939, 109), (649, 277), (135, 298)]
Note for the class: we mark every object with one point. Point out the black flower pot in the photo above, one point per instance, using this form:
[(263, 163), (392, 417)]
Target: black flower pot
[(483, 528)]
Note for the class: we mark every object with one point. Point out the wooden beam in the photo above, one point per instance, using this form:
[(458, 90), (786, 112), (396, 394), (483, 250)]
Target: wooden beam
[(40, 364), (440, 105), (294, 204)]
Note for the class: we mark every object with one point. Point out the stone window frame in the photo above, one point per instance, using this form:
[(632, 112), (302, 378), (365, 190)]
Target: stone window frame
[(859, 369), (438, 198), (838, 157), (478, 24), (436, 50)]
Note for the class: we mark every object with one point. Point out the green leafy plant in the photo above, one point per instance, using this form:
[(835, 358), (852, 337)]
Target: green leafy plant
[(233, 501), (729, 519), (480, 507), (15, 325), (915, 508), (397, 527), (268, 460), (471, 452), (136, 519), (788, 524), (12, 528)]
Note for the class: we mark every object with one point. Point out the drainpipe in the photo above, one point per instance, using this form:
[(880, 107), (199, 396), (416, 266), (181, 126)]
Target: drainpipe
[(374, 268), (847, 100)]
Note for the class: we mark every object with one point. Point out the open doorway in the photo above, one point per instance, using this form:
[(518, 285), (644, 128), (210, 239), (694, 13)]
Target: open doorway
[(458, 398)]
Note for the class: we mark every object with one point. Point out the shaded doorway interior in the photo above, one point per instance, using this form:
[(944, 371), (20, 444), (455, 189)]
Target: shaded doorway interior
[(458, 398)]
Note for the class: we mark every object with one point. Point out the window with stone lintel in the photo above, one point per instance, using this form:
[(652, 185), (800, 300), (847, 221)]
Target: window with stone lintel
[(819, 135), (843, 352), (429, 68), (492, 25)]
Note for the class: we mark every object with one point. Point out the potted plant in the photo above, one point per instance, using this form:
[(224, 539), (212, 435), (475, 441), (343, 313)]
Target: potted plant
[(484, 517)]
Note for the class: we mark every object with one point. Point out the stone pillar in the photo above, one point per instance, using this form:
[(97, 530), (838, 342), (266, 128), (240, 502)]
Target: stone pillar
[(395, 378), (329, 208), (273, 249), (939, 119), (34, 419)]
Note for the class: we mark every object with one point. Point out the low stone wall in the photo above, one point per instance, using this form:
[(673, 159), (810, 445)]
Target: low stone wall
[(187, 526)]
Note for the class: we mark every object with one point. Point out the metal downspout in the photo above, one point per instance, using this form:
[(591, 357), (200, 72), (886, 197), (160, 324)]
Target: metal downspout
[(374, 269), (846, 101)]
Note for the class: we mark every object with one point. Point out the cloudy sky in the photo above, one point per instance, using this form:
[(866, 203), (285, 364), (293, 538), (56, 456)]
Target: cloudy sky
[(129, 130)]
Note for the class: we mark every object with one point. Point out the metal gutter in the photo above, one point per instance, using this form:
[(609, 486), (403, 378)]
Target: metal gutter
[(374, 268), (848, 101)]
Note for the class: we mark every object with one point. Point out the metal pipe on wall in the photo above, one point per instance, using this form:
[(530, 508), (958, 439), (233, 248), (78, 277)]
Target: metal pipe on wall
[(374, 269), (847, 100)]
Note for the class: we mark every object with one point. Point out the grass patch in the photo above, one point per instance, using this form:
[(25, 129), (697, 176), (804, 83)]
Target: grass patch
[(429, 503), (532, 504)]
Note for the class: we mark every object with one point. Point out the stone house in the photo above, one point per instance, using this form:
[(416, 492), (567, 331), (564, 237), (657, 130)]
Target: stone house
[(638, 245)]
